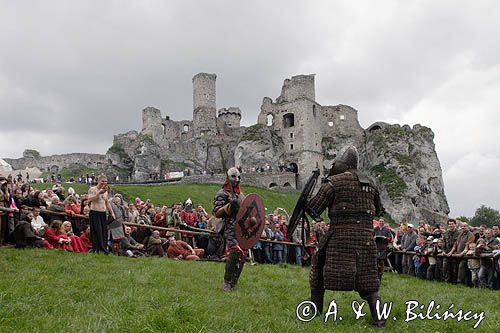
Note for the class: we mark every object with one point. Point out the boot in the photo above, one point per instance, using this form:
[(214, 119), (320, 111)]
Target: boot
[(317, 296), (231, 267), (237, 273), (372, 299)]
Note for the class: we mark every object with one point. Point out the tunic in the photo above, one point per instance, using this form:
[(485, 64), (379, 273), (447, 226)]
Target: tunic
[(346, 258)]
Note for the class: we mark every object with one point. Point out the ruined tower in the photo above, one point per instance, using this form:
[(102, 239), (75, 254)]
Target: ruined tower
[(151, 123), (297, 119), (230, 117), (204, 107)]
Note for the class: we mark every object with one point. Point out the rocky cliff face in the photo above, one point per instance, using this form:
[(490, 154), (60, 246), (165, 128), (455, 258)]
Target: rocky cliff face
[(404, 163), (402, 160)]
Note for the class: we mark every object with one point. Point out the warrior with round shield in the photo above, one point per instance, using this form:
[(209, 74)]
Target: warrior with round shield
[(346, 257), (226, 205)]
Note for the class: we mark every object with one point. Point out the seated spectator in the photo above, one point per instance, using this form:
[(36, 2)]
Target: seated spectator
[(178, 250), (85, 238), (76, 242), (38, 224), (130, 247), (71, 206), (57, 238), (143, 217), (156, 244), (25, 237), (56, 205), (36, 200)]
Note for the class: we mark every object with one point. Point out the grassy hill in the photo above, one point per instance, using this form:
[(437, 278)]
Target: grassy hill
[(169, 194), (55, 291)]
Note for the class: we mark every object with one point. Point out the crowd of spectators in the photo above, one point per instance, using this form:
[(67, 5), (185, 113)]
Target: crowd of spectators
[(56, 218), (460, 254)]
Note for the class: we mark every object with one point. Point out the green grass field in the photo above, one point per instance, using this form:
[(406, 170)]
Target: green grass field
[(55, 291)]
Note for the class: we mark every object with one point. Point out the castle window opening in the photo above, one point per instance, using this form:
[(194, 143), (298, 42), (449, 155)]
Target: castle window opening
[(291, 146), (291, 135), (342, 117), (294, 168), (164, 129), (270, 120), (287, 184), (289, 120), (272, 185), (185, 128), (330, 123), (314, 110)]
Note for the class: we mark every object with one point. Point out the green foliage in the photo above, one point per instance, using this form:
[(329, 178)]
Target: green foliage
[(485, 215), (148, 138), (117, 149), (31, 153), (463, 219), (252, 133), (394, 184), (55, 291), (404, 159)]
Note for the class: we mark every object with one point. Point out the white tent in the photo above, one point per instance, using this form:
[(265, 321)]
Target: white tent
[(4, 166)]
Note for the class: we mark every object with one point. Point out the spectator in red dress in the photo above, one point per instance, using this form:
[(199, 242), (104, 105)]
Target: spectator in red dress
[(76, 242), (56, 238), (178, 250)]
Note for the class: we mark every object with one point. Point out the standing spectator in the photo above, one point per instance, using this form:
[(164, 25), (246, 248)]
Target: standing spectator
[(464, 239), (115, 226), (487, 270), (383, 237), (410, 241), (432, 252), (277, 247), (297, 238), (98, 197), (267, 233), (472, 263), (450, 265)]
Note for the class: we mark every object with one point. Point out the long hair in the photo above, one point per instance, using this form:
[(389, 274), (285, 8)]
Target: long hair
[(56, 226)]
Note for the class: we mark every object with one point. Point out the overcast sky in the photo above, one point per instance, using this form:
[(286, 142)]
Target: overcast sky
[(73, 74)]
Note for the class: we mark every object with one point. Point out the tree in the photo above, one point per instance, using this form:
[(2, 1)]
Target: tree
[(463, 219), (485, 215)]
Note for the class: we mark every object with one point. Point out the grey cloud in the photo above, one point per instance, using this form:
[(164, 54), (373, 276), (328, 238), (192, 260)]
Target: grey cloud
[(85, 70)]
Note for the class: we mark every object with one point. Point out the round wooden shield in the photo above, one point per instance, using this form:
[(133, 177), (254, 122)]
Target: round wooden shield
[(250, 221)]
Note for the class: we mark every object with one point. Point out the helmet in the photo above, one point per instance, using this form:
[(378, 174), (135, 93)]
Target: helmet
[(350, 157), (233, 175)]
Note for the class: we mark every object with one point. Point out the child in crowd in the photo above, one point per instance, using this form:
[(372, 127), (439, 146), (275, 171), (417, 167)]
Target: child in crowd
[(473, 264)]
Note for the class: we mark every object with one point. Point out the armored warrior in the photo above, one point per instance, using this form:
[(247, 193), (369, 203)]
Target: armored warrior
[(226, 205), (346, 257)]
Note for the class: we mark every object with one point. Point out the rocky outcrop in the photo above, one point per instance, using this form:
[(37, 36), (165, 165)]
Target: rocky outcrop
[(406, 166), (259, 145)]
